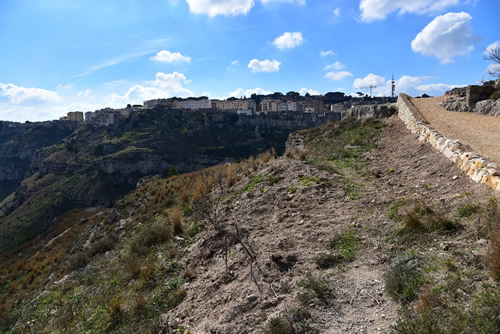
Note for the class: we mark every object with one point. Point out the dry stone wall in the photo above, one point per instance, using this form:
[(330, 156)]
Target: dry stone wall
[(478, 168)]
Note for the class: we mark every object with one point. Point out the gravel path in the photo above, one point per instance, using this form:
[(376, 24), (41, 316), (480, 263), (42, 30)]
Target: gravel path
[(480, 132)]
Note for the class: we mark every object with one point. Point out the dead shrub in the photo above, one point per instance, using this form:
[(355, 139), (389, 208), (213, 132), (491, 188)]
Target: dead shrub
[(177, 221), (264, 157), (303, 154), (231, 175), (274, 154), (184, 196)]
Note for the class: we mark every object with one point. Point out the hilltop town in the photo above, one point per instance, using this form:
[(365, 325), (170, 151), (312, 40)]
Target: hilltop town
[(329, 106)]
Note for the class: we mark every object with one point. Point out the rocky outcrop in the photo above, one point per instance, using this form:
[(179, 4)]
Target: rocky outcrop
[(479, 169), (370, 111), (474, 99)]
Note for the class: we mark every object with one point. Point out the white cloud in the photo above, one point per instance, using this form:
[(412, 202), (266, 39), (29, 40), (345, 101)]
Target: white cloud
[(248, 92), (411, 85), (300, 2), (264, 65), (327, 53), (439, 88), (86, 92), (165, 56), (492, 46), (304, 91), (335, 66), (336, 12), (372, 10), (165, 85), (370, 80), (338, 75), (13, 94), (446, 37), (220, 7), (288, 40)]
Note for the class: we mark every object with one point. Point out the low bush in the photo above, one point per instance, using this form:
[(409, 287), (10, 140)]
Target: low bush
[(404, 278), (314, 289), (278, 325), (149, 236)]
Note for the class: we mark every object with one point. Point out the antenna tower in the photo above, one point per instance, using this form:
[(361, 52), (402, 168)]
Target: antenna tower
[(393, 86)]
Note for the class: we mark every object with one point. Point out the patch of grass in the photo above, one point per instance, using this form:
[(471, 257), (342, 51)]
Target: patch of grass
[(150, 235), (468, 210), (481, 318), (343, 249), (278, 325), (404, 278), (254, 180), (271, 180), (493, 253), (315, 289)]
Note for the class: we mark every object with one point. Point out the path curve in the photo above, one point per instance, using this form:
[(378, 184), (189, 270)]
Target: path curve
[(479, 132)]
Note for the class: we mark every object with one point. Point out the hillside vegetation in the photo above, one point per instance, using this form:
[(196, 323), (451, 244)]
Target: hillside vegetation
[(95, 166), (348, 231)]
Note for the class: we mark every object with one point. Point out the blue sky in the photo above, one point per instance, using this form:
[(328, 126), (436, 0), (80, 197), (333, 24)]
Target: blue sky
[(58, 56)]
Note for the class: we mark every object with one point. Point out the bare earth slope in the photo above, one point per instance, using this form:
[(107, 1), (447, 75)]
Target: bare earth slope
[(288, 229), (480, 132)]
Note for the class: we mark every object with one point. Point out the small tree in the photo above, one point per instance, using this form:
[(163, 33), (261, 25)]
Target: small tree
[(493, 54)]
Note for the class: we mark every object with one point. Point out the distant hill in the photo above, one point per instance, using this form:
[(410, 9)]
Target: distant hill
[(53, 167)]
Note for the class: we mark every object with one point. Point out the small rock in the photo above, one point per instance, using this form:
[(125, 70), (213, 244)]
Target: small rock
[(252, 298)]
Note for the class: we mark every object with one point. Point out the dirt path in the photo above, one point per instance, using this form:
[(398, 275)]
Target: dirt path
[(290, 222), (480, 132)]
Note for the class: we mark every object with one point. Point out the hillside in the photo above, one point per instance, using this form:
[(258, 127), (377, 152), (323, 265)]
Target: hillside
[(93, 166), (356, 228)]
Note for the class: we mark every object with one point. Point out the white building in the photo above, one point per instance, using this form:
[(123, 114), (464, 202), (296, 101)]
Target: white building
[(195, 104), (287, 106)]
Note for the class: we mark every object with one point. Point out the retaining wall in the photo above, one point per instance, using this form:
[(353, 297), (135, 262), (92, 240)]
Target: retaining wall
[(479, 169)]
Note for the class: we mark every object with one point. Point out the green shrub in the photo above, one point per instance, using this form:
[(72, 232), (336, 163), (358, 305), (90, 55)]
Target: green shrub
[(495, 95), (404, 278), (481, 318), (149, 236), (278, 325), (315, 288), (343, 249)]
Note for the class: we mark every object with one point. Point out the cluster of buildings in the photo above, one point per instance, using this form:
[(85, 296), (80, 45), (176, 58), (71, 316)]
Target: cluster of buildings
[(323, 106)]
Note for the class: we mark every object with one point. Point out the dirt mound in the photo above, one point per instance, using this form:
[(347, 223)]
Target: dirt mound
[(291, 216)]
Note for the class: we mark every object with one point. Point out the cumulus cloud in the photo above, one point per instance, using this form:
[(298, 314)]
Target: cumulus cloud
[(446, 37), (438, 88), (335, 66), (248, 92), (412, 85), (370, 80), (264, 65), (304, 91), (288, 40), (372, 10), (336, 12), (165, 56), (491, 47), (338, 75), (86, 92), (220, 7), (300, 2), (165, 85), (327, 53), (13, 94)]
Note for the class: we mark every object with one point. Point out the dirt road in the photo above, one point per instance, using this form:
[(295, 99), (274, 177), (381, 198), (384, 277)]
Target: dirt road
[(480, 132)]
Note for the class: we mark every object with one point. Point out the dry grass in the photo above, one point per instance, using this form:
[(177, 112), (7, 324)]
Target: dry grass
[(493, 253), (177, 221)]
